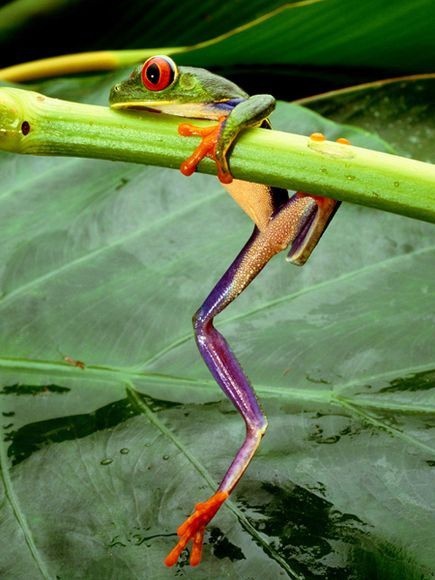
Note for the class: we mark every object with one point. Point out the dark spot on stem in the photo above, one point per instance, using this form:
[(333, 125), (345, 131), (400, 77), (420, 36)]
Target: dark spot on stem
[(25, 127)]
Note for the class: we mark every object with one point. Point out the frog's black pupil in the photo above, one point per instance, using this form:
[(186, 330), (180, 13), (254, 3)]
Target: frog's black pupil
[(153, 74)]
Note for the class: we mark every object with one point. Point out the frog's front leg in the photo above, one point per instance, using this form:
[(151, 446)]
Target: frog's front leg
[(289, 223), (216, 140)]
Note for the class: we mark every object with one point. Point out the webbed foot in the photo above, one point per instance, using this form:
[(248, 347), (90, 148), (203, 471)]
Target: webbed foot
[(194, 527)]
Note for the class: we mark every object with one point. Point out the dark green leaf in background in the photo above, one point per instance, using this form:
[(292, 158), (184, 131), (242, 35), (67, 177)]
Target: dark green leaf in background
[(402, 111), (100, 25)]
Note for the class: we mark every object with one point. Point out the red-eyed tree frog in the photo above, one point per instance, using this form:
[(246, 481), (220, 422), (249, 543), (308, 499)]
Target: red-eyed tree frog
[(281, 221)]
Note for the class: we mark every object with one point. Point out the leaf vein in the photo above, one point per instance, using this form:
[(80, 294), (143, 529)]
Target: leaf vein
[(19, 516)]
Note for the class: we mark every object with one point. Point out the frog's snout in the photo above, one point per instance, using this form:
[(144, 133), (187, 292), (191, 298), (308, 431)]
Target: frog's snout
[(114, 93)]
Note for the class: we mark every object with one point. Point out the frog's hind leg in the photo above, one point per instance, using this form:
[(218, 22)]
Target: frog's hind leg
[(303, 245), (289, 222)]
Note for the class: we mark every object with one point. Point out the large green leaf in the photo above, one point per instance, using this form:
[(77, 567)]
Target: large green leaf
[(331, 33), (106, 262), (358, 39), (80, 25)]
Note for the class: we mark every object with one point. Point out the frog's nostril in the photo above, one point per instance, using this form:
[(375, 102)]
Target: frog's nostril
[(114, 92)]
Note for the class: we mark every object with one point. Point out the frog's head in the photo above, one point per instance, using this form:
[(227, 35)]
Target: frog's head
[(160, 85)]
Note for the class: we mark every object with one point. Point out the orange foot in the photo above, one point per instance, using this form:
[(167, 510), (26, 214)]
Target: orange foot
[(207, 148), (194, 527)]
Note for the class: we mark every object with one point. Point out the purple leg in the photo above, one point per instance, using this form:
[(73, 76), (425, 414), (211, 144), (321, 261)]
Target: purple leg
[(228, 373), (297, 222)]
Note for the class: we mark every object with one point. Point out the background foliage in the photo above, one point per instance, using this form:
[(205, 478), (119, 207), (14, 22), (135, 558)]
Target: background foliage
[(105, 262)]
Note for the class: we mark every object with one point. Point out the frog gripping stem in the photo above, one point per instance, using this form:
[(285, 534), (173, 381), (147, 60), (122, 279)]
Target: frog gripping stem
[(280, 222)]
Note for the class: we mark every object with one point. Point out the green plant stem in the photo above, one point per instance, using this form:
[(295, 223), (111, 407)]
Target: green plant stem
[(79, 63), (34, 124)]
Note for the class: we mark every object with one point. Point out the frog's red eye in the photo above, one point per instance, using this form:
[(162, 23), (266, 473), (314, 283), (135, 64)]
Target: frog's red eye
[(158, 73)]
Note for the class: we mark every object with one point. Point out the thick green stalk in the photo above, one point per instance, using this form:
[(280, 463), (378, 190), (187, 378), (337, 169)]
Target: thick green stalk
[(34, 124), (79, 63)]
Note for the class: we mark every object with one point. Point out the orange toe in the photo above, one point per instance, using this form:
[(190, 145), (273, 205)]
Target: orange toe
[(207, 148), (193, 529)]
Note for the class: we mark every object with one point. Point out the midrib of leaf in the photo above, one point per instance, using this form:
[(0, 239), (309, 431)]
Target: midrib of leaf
[(101, 250), (289, 297), (154, 420), (19, 516), (119, 375)]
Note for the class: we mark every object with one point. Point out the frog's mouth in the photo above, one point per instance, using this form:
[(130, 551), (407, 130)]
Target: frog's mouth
[(149, 105), (136, 106), (195, 110)]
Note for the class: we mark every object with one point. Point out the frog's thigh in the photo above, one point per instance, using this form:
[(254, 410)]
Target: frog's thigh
[(254, 198)]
